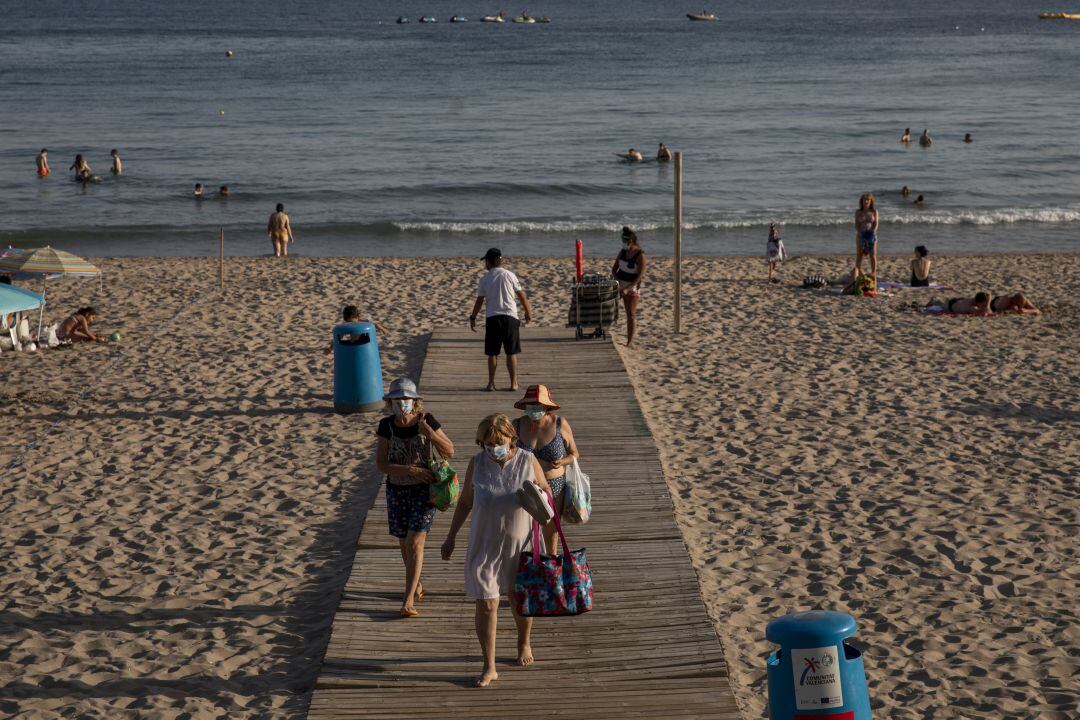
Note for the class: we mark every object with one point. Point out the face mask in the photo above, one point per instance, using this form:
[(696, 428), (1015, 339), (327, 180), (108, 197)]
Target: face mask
[(535, 412), (403, 407), (498, 452)]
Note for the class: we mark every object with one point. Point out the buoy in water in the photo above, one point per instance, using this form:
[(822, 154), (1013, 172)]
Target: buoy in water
[(220, 112)]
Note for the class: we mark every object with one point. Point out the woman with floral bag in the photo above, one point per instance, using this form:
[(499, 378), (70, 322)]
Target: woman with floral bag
[(499, 531), (407, 439)]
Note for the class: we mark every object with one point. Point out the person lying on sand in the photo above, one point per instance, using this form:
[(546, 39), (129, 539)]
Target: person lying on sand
[(1017, 303), (978, 305), (76, 327), (351, 314)]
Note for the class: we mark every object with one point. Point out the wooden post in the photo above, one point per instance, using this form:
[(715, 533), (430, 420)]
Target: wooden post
[(221, 258), (678, 242)]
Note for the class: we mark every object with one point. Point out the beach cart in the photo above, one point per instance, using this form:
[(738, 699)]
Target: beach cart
[(594, 306)]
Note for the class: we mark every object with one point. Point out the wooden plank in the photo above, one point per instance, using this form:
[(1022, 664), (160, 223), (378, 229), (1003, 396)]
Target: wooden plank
[(647, 650)]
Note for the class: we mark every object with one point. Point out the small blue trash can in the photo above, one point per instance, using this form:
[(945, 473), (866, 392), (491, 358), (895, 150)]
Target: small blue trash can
[(815, 675), (357, 370)]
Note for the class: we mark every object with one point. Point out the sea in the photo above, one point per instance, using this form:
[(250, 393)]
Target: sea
[(448, 138)]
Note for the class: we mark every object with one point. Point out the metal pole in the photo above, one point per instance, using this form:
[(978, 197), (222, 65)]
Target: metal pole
[(221, 259), (678, 242)]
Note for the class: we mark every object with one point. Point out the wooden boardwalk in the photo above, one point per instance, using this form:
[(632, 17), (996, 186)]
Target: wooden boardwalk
[(647, 650)]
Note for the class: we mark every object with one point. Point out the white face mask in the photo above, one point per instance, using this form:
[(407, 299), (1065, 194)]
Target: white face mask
[(535, 412), (498, 452), (403, 407)]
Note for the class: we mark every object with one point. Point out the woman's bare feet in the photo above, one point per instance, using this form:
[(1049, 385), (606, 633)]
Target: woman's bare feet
[(525, 656), (486, 678)]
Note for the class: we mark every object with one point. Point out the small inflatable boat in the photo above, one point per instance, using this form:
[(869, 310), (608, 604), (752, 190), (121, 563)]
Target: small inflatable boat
[(459, 18), (704, 16), (403, 21), (544, 19), (429, 19), (1059, 16), (524, 19), (492, 18)]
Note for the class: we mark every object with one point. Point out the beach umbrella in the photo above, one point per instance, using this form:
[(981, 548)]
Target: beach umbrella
[(45, 263), (13, 300)]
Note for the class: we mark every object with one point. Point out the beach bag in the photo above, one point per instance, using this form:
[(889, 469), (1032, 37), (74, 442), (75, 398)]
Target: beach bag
[(446, 488), (552, 586), (578, 504)]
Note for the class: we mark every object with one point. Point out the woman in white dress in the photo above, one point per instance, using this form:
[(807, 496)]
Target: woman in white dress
[(499, 532)]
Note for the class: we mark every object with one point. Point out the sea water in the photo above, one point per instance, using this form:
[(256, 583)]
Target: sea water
[(414, 139)]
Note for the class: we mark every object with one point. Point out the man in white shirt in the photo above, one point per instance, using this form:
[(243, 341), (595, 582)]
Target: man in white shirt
[(501, 290)]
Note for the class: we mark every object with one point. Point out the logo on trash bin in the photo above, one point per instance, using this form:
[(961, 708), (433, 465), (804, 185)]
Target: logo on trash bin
[(816, 677)]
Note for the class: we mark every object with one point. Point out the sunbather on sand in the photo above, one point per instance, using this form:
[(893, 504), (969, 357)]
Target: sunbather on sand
[(1017, 303), (978, 305)]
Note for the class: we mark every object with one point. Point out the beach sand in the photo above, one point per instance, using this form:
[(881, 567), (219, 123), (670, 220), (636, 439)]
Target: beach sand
[(175, 541)]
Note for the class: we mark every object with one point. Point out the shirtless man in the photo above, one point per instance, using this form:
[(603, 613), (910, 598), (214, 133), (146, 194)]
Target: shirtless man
[(631, 155), (906, 137), (117, 167), (280, 231), (43, 162)]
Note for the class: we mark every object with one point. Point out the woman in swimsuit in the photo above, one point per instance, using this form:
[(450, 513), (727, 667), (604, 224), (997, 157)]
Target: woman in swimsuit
[(81, 168), (920, 268), (76, 327), (629, 270), (866, 227), (1017, 303), (549, 438)]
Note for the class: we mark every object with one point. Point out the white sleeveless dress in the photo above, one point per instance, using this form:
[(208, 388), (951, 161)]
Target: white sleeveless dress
[(500, 527)]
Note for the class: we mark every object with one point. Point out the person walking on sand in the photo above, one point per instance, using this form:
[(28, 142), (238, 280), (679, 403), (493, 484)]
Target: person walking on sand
[(629, 270), (906, 137), (117, 167), (498, 533), (43, 162), (406, 441), (866, 227), (775, 252), (280, 231), (925, 140), (500, 291), (550, 439)]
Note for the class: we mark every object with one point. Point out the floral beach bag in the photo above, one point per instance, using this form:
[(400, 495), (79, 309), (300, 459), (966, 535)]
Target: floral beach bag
[(578, 505), (551, 586)]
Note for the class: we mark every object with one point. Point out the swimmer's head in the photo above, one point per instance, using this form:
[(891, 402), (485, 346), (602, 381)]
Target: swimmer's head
[(350, 313), (198, 186), (919, 199), (223, 190), (921, 251), (280, 207)]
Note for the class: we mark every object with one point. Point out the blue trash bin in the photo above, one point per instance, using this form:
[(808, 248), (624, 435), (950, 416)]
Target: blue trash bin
[(815, 675), (357, 370)]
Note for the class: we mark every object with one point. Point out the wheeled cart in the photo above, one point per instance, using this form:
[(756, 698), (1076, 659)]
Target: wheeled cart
[(594, 306)]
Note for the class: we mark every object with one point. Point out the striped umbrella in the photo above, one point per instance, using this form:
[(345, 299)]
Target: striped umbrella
[(45, 263)]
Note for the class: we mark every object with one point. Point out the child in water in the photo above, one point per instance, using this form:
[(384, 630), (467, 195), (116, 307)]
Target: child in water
[(775, 253), (117, 167), (43, 162)]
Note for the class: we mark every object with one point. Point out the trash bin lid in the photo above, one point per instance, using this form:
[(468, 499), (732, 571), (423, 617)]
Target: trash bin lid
[(812, 628)]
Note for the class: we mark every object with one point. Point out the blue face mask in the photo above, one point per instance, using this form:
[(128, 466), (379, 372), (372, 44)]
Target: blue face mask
[(498, 452), (535, 412)]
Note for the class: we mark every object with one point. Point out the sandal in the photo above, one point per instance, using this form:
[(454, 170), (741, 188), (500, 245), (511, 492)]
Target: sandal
[(409, 612)]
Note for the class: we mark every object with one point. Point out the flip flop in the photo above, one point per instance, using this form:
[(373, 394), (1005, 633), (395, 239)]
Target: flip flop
[(420, 593), (409, 612)]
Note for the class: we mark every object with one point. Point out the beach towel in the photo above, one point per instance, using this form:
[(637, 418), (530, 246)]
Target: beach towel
[(890, 285)]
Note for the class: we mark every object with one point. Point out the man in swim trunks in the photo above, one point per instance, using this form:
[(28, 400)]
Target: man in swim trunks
[(978, 305), (43, 162), (280, 231)]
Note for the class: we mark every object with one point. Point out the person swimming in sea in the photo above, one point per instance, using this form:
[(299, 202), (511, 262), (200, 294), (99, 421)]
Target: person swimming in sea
[(197, 193), (223, 191), (117, 167), (43, 162), (925, 140), (906, 137), (631, 155), (663, 154), (82, 169), (919, 200), (904, 191), (967, 138)]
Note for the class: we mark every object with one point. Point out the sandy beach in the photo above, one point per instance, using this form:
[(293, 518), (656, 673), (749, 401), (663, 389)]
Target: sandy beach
[(175, 538)]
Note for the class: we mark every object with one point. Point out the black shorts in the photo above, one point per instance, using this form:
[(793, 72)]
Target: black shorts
[(501, 332)]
